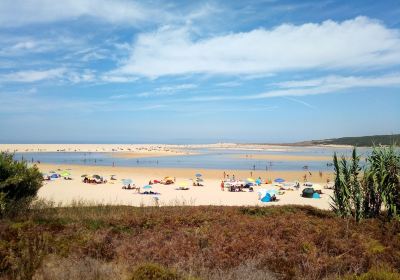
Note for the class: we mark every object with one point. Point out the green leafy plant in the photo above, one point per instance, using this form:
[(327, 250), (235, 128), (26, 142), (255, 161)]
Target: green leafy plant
[(378, 189), (19, 184)]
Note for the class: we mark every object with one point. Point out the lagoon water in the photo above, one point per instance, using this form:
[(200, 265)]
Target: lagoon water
[(202, 159)]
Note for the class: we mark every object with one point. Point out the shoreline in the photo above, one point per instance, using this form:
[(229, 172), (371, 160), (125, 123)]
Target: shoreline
[(215, 173)]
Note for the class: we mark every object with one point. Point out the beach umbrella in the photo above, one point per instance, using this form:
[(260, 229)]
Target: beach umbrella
[(198, 175), (96, 176), (127, 181), (65, 174), (54, 176), (258, 181), (84, 175), (272, 192), (147, 187), (250, 180), (183, 184), (168, 178), (279, 180)]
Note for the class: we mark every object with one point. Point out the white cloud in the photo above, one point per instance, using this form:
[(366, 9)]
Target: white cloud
[(112, 78), (355, 43), (229, 84), (20, 12), (324, 85), (167, 90), (14, 45), (82, 77), (33, 75)]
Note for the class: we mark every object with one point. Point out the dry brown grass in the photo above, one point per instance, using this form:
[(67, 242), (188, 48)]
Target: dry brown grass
[(108, 242)]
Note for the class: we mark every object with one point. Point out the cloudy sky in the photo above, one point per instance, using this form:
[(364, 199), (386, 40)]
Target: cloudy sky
[(124, 71)]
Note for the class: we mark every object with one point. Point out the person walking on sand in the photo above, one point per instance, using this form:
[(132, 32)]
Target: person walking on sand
[(222, 185), (224, 175)]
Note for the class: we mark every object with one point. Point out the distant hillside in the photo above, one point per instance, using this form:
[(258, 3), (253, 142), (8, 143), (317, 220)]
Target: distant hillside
[(362, 141)]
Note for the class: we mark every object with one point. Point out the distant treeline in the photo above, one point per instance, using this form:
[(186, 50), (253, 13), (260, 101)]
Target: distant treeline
[(359, 141)]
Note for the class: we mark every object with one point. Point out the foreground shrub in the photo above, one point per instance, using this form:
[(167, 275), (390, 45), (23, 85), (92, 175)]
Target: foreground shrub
[(154, 272), (76, 268), (19, 184), (376, 274)]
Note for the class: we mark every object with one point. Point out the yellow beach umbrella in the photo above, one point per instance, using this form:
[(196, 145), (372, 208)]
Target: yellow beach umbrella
[(183, 184), (250, 180)]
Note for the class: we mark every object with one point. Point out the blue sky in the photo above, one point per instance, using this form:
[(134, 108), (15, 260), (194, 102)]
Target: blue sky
[(197, 71)]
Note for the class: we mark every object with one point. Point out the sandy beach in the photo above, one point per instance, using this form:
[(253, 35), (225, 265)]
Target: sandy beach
[(125, 150), (67, 191)]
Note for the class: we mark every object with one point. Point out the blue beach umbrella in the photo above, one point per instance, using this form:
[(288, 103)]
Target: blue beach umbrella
[(279, 180), (198, 175), (127, 181), (272, 192), (147, 187)]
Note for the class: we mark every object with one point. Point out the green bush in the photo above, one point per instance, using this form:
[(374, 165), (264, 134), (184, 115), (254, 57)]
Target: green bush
[(154, 272), (19, 184)]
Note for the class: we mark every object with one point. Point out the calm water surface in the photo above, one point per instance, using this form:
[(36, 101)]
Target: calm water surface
[(204, 159)]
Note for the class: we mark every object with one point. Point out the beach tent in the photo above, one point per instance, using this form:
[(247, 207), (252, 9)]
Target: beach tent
[(263, 192), (279, 180), (266, 198), (54, 176), (316, 195), (308, 193)]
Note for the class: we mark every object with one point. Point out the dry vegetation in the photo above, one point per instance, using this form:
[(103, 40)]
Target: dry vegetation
[(109, 242)]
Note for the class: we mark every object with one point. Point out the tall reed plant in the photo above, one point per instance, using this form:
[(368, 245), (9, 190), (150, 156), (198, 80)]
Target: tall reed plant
[(363, 196)]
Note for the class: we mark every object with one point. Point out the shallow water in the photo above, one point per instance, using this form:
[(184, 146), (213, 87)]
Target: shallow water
[(203, 159)]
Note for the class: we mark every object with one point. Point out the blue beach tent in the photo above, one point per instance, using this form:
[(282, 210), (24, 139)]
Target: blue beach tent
[(266, 198), (316, 195)]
